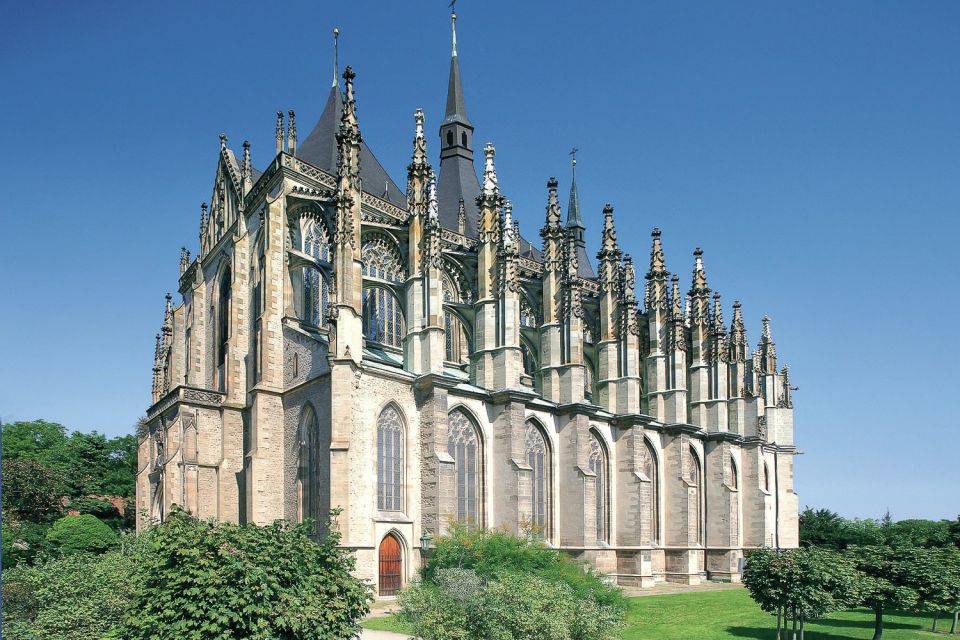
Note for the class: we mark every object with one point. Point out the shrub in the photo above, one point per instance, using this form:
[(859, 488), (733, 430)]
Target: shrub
[(461, 606), (493, 553), (214, 580), (80, 534), (75, 597), (24, 542)]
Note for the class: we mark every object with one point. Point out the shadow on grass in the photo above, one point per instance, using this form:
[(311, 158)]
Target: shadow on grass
[(814, 633), (770, 633)]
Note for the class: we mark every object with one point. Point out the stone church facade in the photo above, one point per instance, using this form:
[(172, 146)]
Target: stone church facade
[(409, 358)]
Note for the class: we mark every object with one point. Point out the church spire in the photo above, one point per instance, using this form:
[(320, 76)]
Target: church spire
[(458, 175), (573, 208), (456, 104)]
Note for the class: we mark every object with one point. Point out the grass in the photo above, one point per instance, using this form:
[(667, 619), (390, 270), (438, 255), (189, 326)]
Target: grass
[(724, 615)]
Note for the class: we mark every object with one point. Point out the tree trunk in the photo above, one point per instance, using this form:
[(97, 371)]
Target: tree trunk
[(803, 620), (953, 625), (878, 624), (779, 618), (936, 618), (794, 623)]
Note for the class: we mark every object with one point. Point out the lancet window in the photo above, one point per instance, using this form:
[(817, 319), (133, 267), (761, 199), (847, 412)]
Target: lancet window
[(600, 468), (389, 460), (538, 457), (463, 445)]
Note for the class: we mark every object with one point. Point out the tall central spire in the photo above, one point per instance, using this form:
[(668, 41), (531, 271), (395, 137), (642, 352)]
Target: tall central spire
[(458, 176), (573, 208)]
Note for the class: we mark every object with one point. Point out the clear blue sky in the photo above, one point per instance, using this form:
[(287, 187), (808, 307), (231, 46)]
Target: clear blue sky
[(811, 148)]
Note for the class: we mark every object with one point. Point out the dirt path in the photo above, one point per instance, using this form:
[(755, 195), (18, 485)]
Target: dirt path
[(666, 588)]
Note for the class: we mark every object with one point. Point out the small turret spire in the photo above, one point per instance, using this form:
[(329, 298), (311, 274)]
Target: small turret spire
[(573, 208), (767, 349), (461, 217), (184, 260), (509, 230), (292, 135), (279, 132), (738, 335)]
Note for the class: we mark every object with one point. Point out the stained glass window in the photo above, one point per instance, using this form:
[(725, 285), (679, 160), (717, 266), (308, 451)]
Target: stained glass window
[(389, 461), (463, 445), (316, 291), (535, 445)]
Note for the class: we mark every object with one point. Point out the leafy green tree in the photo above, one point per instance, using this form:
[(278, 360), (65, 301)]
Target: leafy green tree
[(39, 440), (935, 574), (80, 534), (24, 542), (920, 533), (801, 583), (30, 492), (205, 580), (887, 582)]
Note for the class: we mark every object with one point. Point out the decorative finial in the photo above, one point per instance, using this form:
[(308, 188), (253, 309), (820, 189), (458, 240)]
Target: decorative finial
[(433, 212), (336, 55), (490, 186), (461, 217), (292, 134), (223, 141), (418, 119), (573, 158), (453, 24), (279, 132)]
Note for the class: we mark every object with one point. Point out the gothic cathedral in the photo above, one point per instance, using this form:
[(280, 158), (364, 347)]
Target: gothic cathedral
[(409, 358)]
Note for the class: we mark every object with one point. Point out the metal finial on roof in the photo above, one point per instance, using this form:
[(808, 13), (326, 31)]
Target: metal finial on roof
[(336, 56), (453, 25)]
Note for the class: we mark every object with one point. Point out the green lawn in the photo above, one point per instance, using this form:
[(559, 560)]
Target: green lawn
[(722, 615)]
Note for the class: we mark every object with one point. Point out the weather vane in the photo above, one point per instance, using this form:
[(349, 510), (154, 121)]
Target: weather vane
[(453, 7), (573, 156)]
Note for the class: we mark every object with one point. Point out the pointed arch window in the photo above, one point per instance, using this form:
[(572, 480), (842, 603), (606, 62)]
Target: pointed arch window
[(600, 468), (538, 457), (389, 460), (652, 471), (258, 296), (308, 472), (223, 328), (734, 475), (696, 496), (463, 445), (316, 289), (382, 310), (765, 477), (456, 346)]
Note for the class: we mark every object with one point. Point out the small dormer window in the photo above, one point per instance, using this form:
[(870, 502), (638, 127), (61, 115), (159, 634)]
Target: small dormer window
[(449, 138)]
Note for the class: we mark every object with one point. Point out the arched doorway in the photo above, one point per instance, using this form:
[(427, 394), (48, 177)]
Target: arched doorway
[(391, 566)]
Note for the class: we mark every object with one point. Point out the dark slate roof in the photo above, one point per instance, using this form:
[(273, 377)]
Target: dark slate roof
[(575, 224), (458, 179), (456, 105), (320, 150)]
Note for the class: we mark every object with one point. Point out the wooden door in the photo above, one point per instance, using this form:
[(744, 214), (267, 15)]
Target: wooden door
[(391, 566)]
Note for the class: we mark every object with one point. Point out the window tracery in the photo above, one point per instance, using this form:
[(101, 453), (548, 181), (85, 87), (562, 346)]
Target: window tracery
[(389, 460), (463, 445)]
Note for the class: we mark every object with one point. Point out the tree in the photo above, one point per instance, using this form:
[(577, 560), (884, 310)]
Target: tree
[(30, 491), (216, 580), (935, 574), (920, 533), (80, 534), (887, 582), (801, 583)]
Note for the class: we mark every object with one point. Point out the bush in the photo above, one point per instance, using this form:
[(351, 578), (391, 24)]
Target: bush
[(213, 580), (75, 597), (24, 542), (460, 606), (492, 554), (80, 534)]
